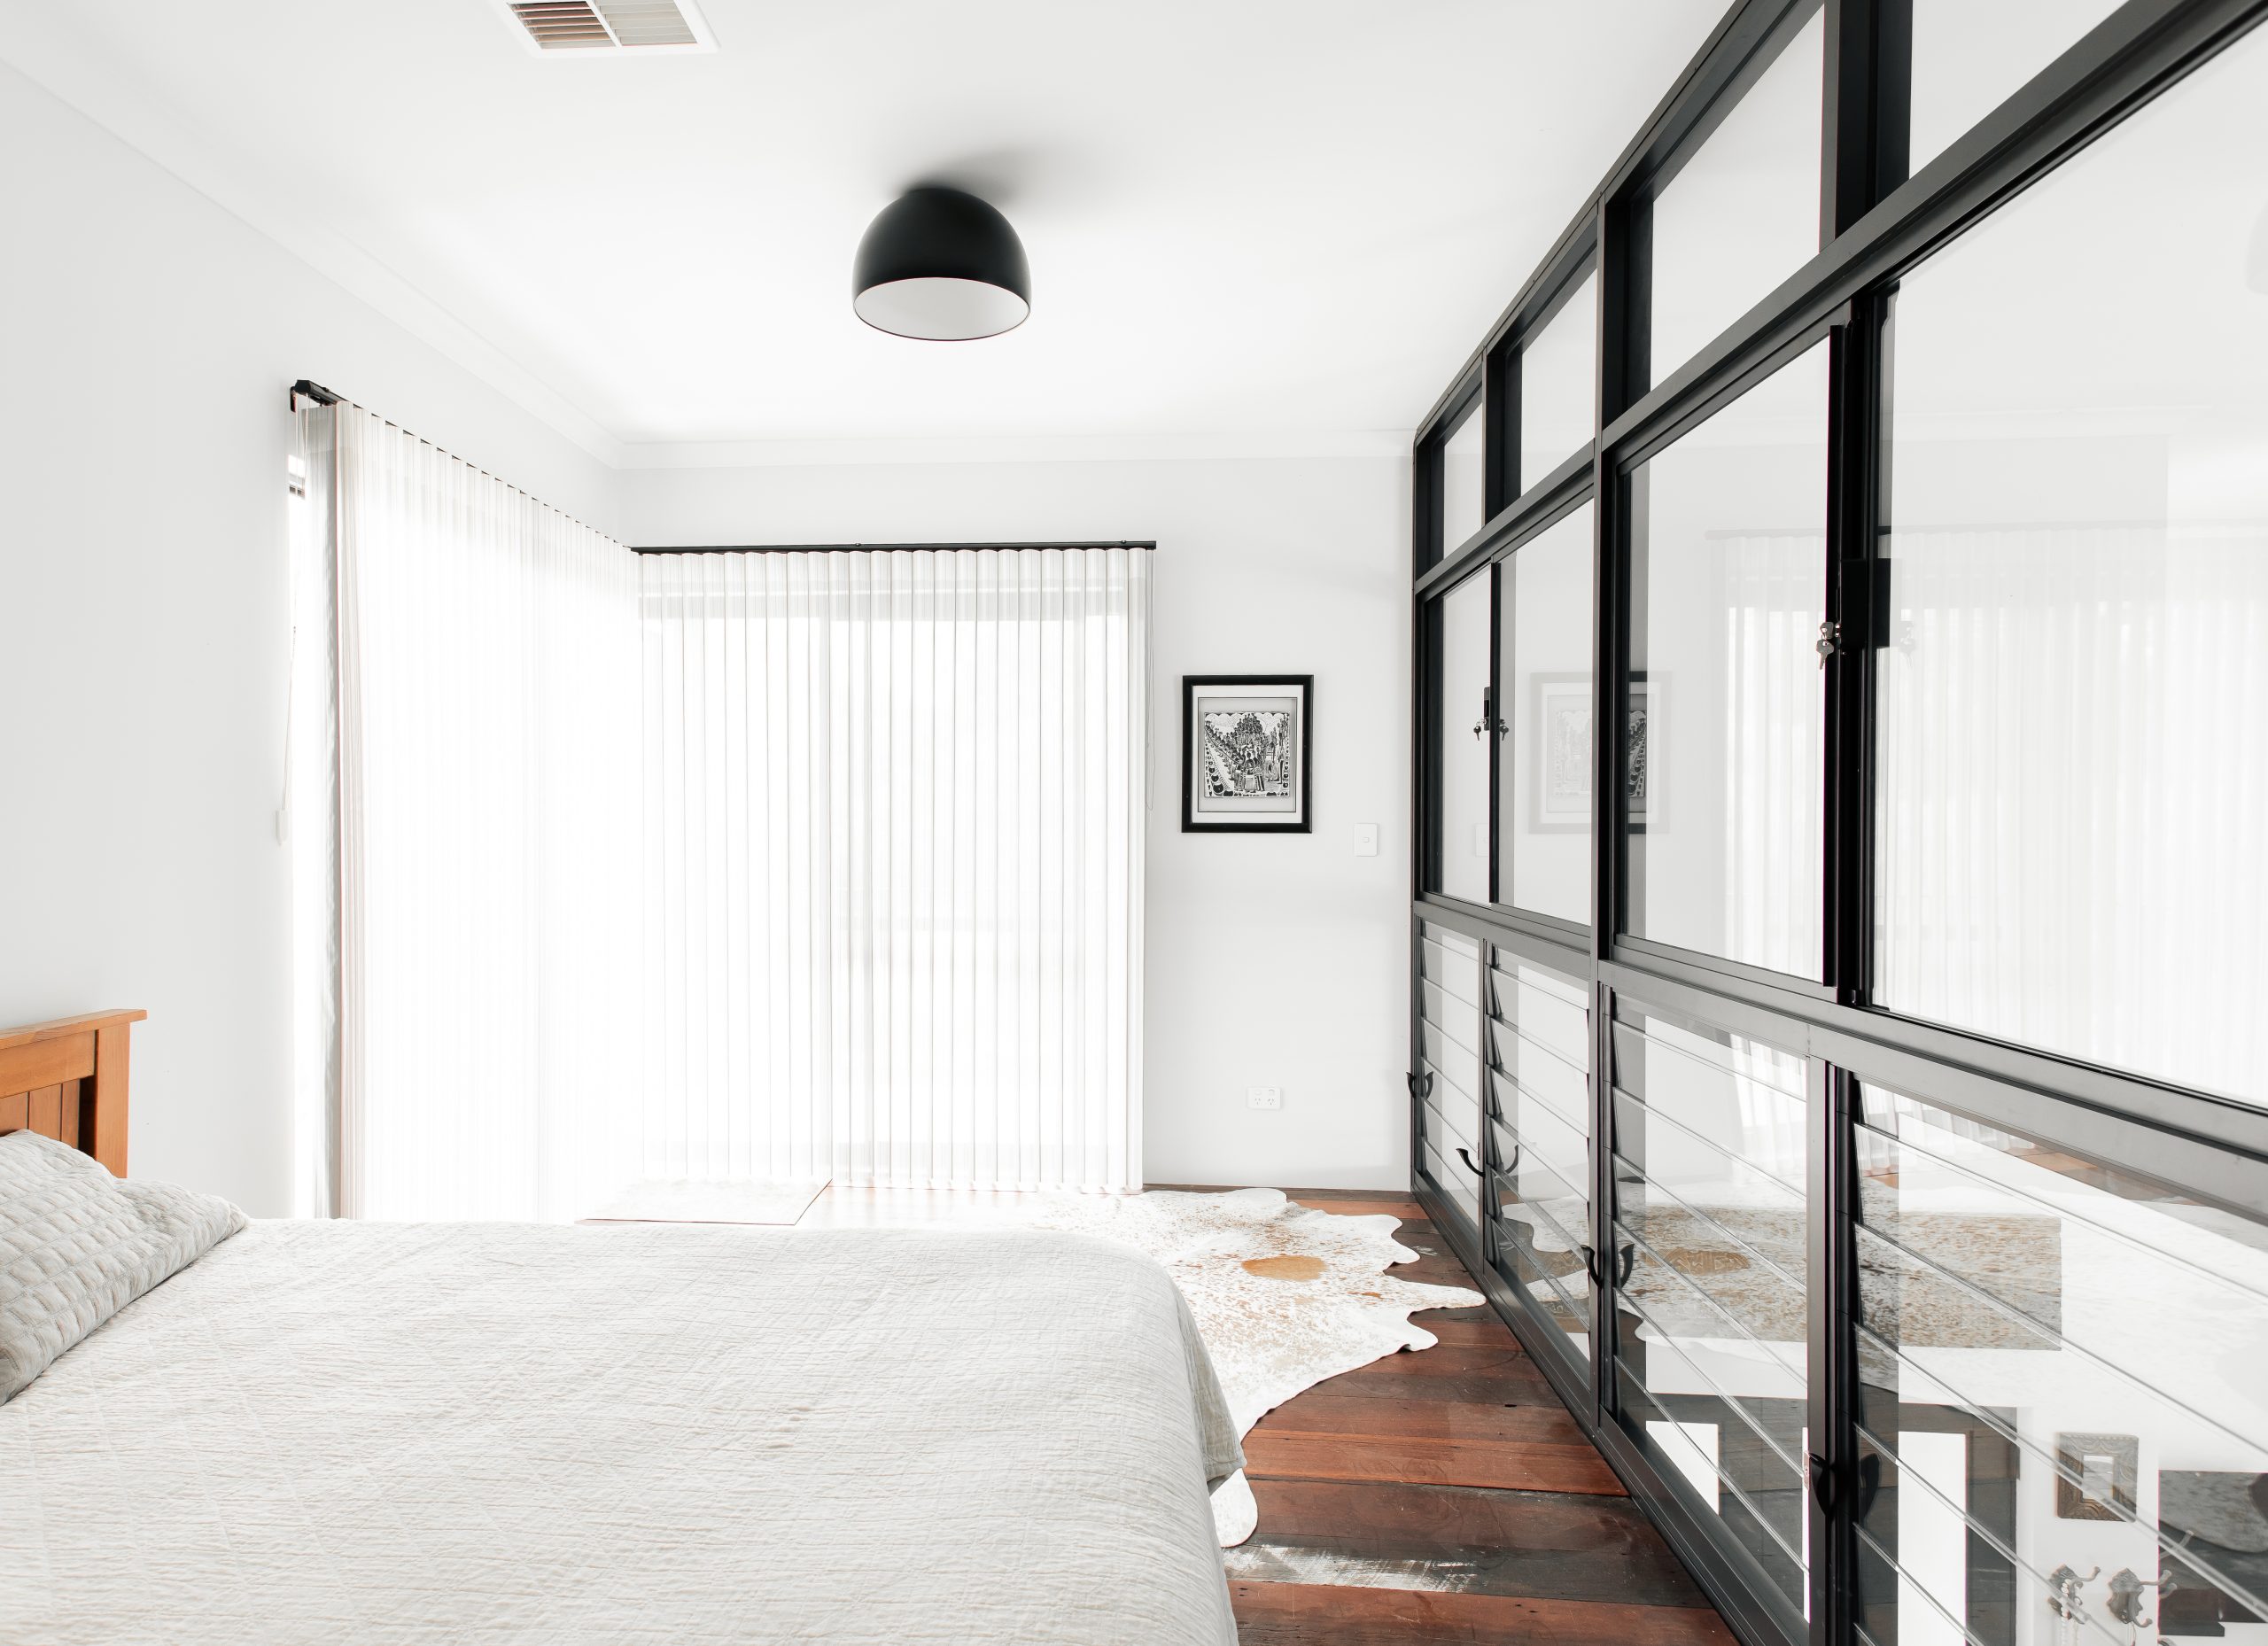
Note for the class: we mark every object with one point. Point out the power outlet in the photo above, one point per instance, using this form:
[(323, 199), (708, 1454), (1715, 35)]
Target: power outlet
[(1263, 1096)]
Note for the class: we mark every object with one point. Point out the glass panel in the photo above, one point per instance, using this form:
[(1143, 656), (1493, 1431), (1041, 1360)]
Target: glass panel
[(1710, 1302), (1970, 56), (1463, 475), (1728, 591), (2062, 1395), (1538, 1038), (1449, 1062), (1462, 739), (1545, 776), (1557, 385), (1742, 213), (2071, 771)]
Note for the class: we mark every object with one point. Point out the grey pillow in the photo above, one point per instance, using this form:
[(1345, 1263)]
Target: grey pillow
[(77, 1245)]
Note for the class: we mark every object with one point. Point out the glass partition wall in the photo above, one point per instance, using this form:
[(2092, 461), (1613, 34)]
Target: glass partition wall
[(1841, 901)]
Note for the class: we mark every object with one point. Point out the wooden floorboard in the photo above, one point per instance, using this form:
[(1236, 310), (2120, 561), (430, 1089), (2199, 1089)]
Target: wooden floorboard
[(1321, 1412), (1560, 1546), (1346, 1206), (1311, 1614), (1511, 1464), (1445, 1494)]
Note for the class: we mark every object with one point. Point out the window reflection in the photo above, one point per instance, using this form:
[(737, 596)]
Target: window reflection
[(2062, 1397), (1463, 482), (1558, 385), (2071, 772), (1742, 213), (1722, 743), (1463, 740), (1544, 826), (1450, 1041), (1712, 1293), (1970, 56), (1539, 1041)]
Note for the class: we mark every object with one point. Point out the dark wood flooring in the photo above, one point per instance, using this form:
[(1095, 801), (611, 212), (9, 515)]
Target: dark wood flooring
[(1446, 1496)]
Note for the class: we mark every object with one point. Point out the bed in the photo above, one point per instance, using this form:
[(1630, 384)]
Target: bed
[(492, 1432)]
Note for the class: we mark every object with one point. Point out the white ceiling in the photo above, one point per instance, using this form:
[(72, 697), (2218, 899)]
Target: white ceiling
[(1249, 219)]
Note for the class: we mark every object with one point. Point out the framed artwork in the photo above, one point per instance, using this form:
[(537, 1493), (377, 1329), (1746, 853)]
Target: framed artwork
[(1559, 784), (1247, 748), (2095, 1476)]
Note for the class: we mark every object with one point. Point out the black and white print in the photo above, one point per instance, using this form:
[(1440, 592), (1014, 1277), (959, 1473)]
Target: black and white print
[(1246, 742), (1249, 751), (1560, 785)]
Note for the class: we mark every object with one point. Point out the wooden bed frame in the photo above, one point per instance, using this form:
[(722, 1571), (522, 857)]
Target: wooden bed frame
[(66, 1080)]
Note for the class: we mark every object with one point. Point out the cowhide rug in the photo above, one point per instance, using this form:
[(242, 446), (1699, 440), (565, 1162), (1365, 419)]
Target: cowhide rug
[(1285, 1295)]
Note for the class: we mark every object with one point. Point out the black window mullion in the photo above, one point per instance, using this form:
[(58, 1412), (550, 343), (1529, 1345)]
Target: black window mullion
[(1501, 405), (1425, 522), (1870, 70), (1621, 327), (1493, 726), (1846, 645), (1837, 1490), (1869, 74)]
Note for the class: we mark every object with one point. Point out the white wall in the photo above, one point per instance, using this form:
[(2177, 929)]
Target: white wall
[(1272, 961), (148, 344), (150, 341)]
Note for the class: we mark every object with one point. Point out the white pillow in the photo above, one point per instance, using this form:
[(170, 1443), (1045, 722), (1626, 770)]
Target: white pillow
[(77, 1246)]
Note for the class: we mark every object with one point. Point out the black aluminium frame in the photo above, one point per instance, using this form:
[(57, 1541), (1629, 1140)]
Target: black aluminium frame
[(1875, 222), (862, 549)]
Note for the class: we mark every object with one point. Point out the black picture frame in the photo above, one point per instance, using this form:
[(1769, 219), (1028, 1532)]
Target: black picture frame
[(1302, 776), (1643, 703)]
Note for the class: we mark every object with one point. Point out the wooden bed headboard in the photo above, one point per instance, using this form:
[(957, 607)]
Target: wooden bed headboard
[(66, 1080)]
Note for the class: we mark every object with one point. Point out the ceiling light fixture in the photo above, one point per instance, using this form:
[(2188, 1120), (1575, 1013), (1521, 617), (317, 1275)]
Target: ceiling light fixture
[(942, 265)]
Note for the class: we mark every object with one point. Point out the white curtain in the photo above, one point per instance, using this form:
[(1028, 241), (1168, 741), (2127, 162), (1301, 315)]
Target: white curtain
[(308, 821), (488, 839), (894, 807)]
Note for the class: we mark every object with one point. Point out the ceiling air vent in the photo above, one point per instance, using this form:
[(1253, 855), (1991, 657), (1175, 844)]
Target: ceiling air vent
[(612, 27)]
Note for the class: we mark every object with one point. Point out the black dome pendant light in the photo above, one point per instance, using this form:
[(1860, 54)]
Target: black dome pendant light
[(942, 265)]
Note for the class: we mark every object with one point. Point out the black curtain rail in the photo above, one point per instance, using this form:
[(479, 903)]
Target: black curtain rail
[(306, 390), (860, 548)]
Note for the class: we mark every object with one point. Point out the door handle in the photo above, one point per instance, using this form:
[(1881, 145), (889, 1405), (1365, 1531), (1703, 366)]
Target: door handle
[(1467, 1159), (1827, 1483), (1625, 1258), (1870, 1483)]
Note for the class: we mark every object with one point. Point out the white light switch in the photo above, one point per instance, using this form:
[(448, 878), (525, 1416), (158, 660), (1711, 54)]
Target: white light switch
[(1366, 840), (1263, 1096)]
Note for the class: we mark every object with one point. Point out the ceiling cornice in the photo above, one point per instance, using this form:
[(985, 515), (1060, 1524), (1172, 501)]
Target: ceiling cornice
[(1197, 447), (52, 57)]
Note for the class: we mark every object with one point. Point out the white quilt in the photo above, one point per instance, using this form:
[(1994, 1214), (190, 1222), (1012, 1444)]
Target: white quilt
[(379, 1434)]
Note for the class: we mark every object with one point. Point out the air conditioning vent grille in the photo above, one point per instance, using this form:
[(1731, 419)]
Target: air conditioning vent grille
[(647, 23), (610, 25), (563, 24)]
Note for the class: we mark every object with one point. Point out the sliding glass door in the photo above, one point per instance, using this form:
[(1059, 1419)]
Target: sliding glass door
[(1841, 914)]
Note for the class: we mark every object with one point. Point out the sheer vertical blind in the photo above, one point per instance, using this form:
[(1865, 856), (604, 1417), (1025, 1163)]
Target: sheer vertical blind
[(796, 865), (487, 821), (894, 845)]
